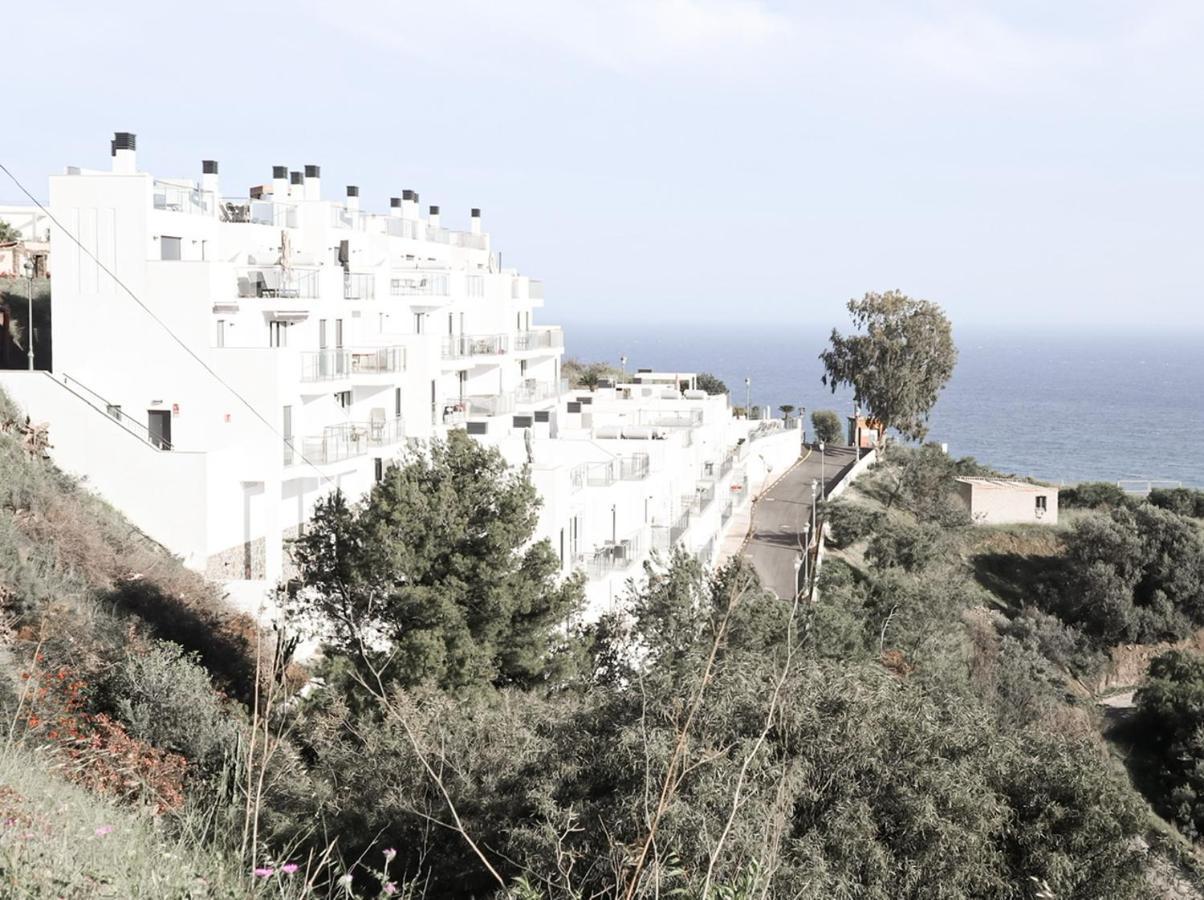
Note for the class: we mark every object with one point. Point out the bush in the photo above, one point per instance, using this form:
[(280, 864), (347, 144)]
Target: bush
[(1063, 645), (901, 545), (1181, 501), (848, 522), (1170, 721), (826, 425), (1093, 495), (164, 696)]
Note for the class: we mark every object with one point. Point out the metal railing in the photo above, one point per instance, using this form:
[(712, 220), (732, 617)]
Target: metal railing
[(418, 283), (398, 227), (457, 346), (324, 365), (114, 412), (182, 198), (539, 339), (634, 467), (378, 360), (615, 556), (437, 235), (355, 219), (345, 441), (258, 212), (277, 281), (535, 391), (359, 286), (600, 474), (577, 476), (670, 418), (726, 513)]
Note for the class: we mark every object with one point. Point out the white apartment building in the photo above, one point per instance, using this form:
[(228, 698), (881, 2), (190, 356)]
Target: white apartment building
[(247, 355)]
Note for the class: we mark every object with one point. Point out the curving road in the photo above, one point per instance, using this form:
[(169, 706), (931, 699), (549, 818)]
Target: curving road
[(780, 514)]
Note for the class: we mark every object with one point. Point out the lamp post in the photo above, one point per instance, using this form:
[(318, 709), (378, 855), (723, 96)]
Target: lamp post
[(623, 365), (814, 492), (748, 398), (806, 566), (823, 482), (29, 312)]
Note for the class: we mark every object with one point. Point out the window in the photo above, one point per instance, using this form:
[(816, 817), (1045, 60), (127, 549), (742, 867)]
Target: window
[(451, 324), (169, 247), (522, 368), (286, 428), (417, 323), (321, 334), (278, 334), (379, 466), (338, 333), (1041, 501), (397, 403), (220, 340), (343, 398), (114, 410)]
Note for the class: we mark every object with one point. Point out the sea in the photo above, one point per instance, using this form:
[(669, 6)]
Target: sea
[(1063, 407)]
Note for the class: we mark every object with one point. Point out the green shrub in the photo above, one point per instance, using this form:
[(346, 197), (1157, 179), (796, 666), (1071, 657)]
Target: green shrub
[(164, 696), (826, 425), (1093, 495), (1063, 645), (711, 384), (902, 545), (1181, 501), (1170, 721), (848, 522)]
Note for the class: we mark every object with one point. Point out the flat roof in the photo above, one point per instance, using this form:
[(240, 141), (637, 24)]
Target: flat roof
[(1005, 484)]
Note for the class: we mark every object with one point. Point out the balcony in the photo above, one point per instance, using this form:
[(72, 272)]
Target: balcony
[(359, 286), (182, 198), (670, 418), (489, 404), (539, 339), (467, 239), (615, 556), (404, 228), (454, 412), (601, 474), (460, 346), (417, 282), (258, 212), (346, 440), (634, 467), (340, 363), (277, 281), (536, 391), (342, 217)]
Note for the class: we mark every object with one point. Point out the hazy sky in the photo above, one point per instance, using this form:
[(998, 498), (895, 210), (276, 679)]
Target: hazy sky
[(717, 160)]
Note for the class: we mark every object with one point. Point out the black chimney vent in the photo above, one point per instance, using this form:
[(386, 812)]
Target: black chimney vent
[(395, 202), (434, 210), (407, 194), (313, 171), (280, 171), (476, 213), (296, 178), (415, 197), (123, 140), (209, 166), (352, 191)]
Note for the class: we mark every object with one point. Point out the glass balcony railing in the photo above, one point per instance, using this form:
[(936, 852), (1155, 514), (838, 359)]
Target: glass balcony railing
[(359, 286), (258, 212), (182, 198), (277, 281), (337, 363), (458, 346), (539, 339), (419, 283), (378, 361), (346, 441)]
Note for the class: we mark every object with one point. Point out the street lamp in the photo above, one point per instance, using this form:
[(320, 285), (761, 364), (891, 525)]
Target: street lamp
[(623, 364), (748, 398), (29, 313), (823, 482), (814, 491)]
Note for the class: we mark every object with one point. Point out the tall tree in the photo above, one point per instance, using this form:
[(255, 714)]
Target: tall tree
[(434, 579), (899, 363)]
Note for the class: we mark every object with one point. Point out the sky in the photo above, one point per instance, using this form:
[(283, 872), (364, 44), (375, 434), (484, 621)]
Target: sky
[(719, 162)]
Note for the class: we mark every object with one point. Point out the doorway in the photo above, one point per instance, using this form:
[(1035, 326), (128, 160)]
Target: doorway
[(158, 425)]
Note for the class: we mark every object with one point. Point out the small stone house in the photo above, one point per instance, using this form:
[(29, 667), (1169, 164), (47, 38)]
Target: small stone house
[(1003, 501)]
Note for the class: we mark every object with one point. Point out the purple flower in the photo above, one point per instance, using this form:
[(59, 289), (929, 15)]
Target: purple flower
[(289, 868), (391, 888), (263, 872), (389, 854), (103, 830)]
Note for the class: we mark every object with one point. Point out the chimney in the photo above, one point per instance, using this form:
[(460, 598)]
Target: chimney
[(395, 207), (434, 216), (353, 197), (313, 183), (409, 204), (279, 183), (296, 186), (209, 176), (125, 161), (475, 221)]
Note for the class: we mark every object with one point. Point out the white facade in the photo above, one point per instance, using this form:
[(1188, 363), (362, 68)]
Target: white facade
[(1003, 501), (290, 345)]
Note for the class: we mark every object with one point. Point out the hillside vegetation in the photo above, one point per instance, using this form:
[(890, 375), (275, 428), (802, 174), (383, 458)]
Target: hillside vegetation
[(919, 733)]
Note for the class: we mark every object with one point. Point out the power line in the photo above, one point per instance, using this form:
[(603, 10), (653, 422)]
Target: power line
[(204, 365)]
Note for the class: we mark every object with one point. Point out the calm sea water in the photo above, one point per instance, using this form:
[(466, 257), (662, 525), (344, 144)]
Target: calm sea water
[(1063, 407)]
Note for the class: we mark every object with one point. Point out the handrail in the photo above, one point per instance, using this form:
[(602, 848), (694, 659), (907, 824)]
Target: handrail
[(119, 419)]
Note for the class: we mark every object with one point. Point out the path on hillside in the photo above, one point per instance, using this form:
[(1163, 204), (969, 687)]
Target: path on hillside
[(779, 516)]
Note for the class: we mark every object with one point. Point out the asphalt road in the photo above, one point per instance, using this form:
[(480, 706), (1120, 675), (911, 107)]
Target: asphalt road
[(780, 514)]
